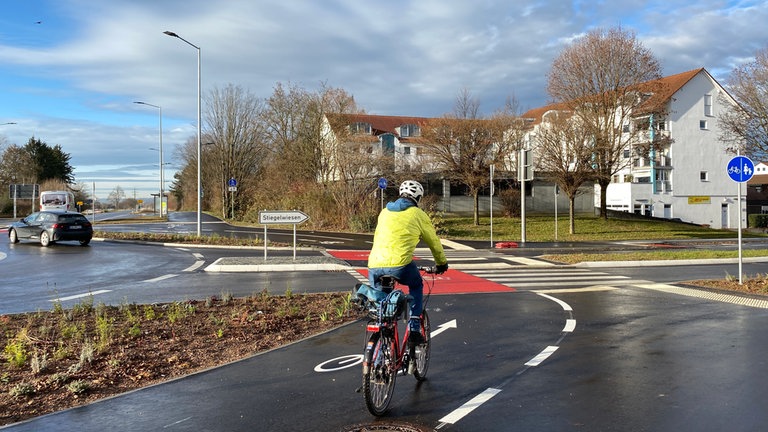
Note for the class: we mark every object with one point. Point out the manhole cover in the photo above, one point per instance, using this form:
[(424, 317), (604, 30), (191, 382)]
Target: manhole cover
[(386, 427)]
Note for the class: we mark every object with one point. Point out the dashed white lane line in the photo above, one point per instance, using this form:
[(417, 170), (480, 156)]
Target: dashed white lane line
[(462, 411), (160, 278), (77, 296), (570, 326), (199, 263), (566, 307), (468, 407), (548, 351)]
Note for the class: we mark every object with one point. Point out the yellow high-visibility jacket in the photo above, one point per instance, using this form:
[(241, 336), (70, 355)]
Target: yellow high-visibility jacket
[(400, 227)]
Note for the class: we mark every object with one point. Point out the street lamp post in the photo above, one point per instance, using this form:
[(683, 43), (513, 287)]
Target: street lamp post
[(199, 132), (160, 110)]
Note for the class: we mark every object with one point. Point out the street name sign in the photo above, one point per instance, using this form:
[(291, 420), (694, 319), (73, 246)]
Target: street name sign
[(277, 217)]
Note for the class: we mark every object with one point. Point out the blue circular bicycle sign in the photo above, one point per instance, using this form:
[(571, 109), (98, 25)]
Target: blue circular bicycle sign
[(741, 169)]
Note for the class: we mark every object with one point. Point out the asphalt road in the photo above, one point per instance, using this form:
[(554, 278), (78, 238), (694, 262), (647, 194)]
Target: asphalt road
[(634, 359)]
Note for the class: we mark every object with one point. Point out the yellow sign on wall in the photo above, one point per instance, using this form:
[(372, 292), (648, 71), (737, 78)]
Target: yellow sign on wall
[(699, 200)]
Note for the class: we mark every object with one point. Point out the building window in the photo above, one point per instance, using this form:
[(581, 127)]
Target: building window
[(626, 153), (406, 150), (703, 125), (410, 130), (360, 128), (708, 105), (704, 176), (625, 128)]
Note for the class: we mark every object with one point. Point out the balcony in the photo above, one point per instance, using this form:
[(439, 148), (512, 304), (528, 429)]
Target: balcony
[(659, 162)]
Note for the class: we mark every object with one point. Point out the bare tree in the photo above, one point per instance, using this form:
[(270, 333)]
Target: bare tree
[(463, 148), (597, 79), (747, 122), (294, 120), (17, 166), (467, 106), (235, 144), (564, 156), (184, 186), (116, 196)]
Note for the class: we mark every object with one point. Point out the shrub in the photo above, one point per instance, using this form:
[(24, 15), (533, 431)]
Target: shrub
[(510, 202), (758, 220), (16, 350)]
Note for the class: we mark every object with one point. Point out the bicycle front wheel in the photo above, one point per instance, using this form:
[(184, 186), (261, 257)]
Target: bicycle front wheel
[(379, 379), (422, 351)]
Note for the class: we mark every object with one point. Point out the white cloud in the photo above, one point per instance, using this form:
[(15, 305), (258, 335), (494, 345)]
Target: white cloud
[(72, 79)]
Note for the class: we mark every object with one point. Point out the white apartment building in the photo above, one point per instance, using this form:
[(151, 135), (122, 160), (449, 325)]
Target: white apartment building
[(687, 178)]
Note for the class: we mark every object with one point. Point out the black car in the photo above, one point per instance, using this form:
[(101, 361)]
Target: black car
[(51, 226)]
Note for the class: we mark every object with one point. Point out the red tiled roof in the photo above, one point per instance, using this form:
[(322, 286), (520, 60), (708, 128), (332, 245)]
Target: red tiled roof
[(759, 179), (379, 124), (661, 91)]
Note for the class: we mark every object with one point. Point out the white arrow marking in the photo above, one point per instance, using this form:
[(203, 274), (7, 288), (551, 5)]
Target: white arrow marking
[(443, 327)]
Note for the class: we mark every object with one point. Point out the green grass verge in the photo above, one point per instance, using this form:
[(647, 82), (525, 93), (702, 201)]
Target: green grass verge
[(587, 228)]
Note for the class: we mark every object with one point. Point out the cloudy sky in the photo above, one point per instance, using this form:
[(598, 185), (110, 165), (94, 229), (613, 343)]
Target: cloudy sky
[(70, 70)]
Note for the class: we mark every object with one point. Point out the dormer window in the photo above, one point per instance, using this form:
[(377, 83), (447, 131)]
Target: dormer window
[(361, 128), (410, 130)]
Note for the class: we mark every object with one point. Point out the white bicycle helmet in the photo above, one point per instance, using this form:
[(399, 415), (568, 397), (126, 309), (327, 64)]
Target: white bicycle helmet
[(412, 189)]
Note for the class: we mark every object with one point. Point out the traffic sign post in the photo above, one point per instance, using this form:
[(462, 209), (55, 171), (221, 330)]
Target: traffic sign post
[(232, 189), (382, 186), (281, 217), (740, 169)]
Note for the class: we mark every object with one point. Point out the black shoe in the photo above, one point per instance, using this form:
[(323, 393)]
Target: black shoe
[(416, 339)]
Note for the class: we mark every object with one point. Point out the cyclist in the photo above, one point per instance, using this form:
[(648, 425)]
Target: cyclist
[(400, 227)]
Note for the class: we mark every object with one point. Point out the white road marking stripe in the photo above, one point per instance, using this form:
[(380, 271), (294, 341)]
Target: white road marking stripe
[(470, 406), (578, 290), (585, 283), (77, 296), (528, 261), (709, 295), (555, 278), (564, 305), (483, 266), (570, 326), (358, 276), (542, 356), (194, 266), (537, 271), (161, 278)]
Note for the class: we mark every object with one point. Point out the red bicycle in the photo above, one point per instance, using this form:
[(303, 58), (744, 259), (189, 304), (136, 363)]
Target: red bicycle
[(387, 351)]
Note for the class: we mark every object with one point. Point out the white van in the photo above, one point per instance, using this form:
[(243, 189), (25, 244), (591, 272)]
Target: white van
[(57, 200)]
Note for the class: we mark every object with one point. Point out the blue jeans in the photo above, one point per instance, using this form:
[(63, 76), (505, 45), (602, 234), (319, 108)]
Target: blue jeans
[(407, 275)]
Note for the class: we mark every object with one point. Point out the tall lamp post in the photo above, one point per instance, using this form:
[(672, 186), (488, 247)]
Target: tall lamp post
[(199, 129), (160, 110)]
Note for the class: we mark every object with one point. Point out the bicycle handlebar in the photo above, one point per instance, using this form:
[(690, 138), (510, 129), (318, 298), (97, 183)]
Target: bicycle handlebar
[(429, 270)]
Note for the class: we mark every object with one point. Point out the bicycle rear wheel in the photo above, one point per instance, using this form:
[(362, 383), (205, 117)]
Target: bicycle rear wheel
[(421, 352), (379, 380)]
